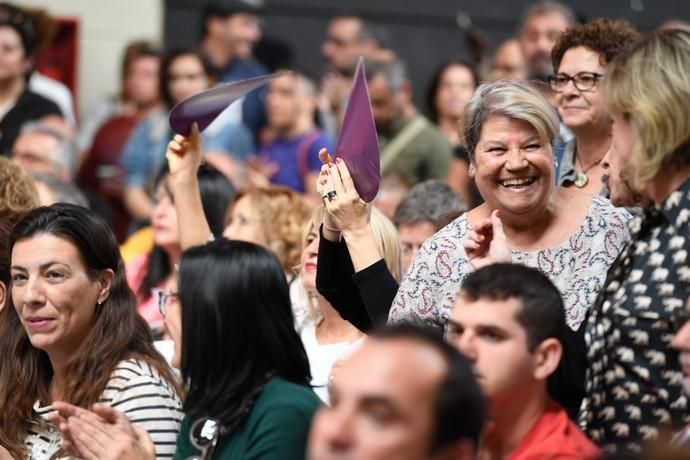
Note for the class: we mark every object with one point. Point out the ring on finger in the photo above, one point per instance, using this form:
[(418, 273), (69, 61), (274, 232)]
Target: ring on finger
[(330, 195)]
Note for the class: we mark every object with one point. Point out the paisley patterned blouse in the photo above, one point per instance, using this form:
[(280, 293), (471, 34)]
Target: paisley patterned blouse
[(577, 267)]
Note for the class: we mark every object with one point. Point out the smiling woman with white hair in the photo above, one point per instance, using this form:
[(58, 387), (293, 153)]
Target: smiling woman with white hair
[(509, 130)]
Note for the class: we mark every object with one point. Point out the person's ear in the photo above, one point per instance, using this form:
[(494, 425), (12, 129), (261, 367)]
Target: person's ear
[(471, 171), (105, 279), (547, 356), (3, 295)]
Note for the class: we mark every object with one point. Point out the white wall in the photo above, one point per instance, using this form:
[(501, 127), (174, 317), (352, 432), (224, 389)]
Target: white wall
[(105, 27)]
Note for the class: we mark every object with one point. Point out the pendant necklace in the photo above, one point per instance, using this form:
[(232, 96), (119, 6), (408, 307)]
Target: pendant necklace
[(581, 177)]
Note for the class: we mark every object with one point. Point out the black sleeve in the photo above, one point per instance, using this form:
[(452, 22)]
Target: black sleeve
[(362, 298), (567, 385)]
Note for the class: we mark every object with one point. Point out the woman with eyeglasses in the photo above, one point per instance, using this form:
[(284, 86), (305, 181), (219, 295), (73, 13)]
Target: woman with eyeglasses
[(72, 333), (150, 272), (246, 371), (580, 56)]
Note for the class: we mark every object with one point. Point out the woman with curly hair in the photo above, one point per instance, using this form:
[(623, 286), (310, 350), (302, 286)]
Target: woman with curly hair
[(18, 193), (580, 57), (272, 217)]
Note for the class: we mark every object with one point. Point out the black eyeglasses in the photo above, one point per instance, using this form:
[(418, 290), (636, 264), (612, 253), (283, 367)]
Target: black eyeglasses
[(163, 298), (203, 435), (583, 81)]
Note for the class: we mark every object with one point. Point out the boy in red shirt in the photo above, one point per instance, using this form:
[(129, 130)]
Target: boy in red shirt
[(508, 320)]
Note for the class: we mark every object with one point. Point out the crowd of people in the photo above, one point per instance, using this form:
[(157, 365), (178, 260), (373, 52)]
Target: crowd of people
[(518, 289)]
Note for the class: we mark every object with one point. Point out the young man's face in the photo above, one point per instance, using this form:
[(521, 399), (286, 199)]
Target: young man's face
[(382, 404), (488, 333)]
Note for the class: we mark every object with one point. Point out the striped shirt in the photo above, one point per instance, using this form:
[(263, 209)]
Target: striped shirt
[(134, 388)]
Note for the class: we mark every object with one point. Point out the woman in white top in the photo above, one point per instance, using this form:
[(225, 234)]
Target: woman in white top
[(74, 335), (327, 337)]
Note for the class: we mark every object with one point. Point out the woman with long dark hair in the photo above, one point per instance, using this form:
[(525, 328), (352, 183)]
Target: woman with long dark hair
[(73, 334), (245, 368), (154, 271), (250, 373)]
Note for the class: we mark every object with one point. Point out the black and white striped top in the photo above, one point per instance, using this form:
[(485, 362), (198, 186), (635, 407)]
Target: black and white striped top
[(139, 391)]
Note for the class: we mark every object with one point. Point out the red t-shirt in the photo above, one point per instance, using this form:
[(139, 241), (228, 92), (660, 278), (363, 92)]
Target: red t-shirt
[(554, 436)]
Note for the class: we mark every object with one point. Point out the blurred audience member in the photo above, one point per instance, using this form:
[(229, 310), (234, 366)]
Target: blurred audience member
[(348, 37), (631, 326), (17, 103), (412, 148), (509, 321), (403, 395), (418, 215), (105, 131), (53, 189), (291, 156), (139, 92), (539, 28), (41, 148), (580, 56), (74, 335), (508, 62), (451, 87), (273, 217), (230, 29), (45, 29), (18, 193), (154, 270), (183, 74)]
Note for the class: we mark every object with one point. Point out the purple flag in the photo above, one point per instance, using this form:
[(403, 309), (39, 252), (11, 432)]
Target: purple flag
[(358, 144), (204, 107)]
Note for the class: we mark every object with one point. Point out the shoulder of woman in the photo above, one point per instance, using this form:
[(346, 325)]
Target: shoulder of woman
[(287, 396), (136, 378), (135, 271)]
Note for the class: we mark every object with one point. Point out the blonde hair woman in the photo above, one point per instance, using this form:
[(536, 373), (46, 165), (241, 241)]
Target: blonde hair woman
[(629, 331), (328, 337)]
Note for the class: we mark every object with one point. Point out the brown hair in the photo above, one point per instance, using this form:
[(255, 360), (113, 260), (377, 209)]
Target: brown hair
[(117, 332), (606, 37), (282, 215), (18, 193)]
